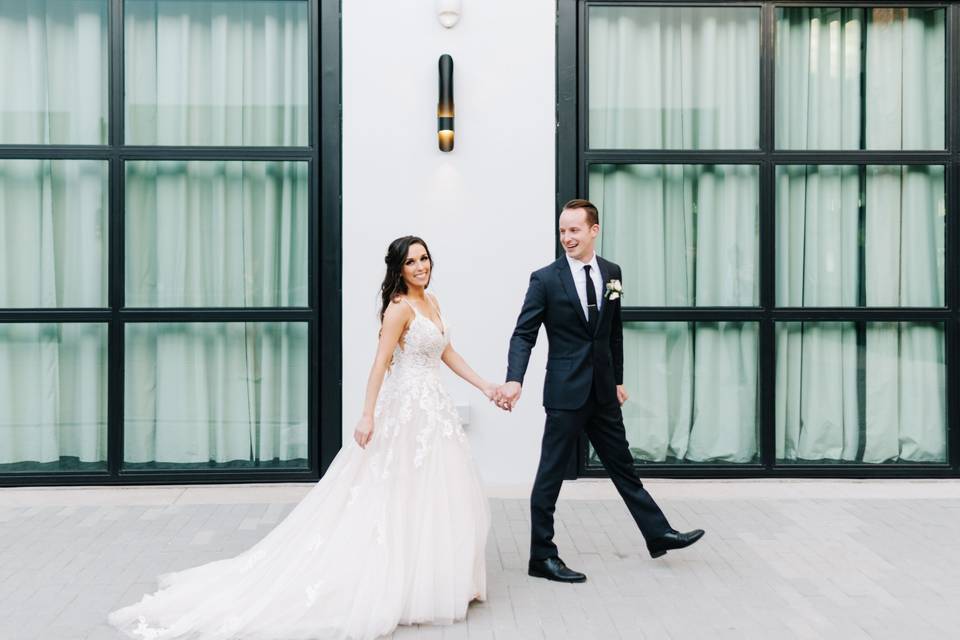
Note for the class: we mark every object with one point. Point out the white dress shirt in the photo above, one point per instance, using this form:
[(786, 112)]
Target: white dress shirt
[(580, 281)]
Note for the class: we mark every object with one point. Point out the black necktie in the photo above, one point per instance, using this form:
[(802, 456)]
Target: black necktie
[(591, 302)]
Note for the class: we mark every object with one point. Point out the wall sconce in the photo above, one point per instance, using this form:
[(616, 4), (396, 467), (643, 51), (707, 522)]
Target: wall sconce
[(445, 105), (448, 12)]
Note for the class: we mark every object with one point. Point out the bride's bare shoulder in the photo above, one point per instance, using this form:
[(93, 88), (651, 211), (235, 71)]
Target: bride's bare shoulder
[(434, 299), (398, 310)]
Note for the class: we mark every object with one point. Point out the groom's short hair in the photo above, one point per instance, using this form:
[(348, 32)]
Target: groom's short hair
[(593, 216)]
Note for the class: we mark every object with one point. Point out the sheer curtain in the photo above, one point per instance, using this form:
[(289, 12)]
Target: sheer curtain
[(217, 73), (216, 393), (860, 236), (53, 235), (681, 78), (53, 395), (686, 236), (674, 78), (53, 72), (216, 234), (817, 377), (197, 234)]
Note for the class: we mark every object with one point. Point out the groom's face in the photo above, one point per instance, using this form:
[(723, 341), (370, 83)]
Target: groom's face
[(577, 236)]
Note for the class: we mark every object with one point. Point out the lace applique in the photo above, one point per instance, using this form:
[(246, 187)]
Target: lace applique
[(354, 492), (443, 420), (231, 625), (413, 388), (254, 558), (386, 466), (380, 464), (313, 591), (146, 631), (380, 526)]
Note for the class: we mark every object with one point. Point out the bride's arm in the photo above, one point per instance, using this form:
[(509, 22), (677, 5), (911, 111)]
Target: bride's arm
[(460, 367), (395, 322)]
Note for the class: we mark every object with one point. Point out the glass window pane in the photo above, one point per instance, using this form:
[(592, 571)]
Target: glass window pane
[(53, 233), (674, 77), (217, 73), (860, 392), (216, 234), (685, 235), (693, 392), (53, 397), (860, 236), (53, 72), (214, 395), (860, 78)]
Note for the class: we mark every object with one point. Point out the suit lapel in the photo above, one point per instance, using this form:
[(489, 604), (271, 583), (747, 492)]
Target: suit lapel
[(566, 279), (604, 279)]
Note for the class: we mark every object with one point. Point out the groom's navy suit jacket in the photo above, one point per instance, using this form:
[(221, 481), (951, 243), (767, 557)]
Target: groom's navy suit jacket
[(577, 361)]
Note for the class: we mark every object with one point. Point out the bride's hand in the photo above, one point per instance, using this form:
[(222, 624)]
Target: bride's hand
[(364, 431), (490, 390)]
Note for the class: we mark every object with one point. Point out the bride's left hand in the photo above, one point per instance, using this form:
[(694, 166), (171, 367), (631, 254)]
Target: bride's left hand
[(490, 390), (364, 431)]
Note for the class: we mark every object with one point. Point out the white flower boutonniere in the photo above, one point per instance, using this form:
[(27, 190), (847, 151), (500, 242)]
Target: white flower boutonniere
[(614, 290)]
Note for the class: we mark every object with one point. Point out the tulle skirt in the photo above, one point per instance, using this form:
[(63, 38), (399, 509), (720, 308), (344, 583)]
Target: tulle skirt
[(393, 534)]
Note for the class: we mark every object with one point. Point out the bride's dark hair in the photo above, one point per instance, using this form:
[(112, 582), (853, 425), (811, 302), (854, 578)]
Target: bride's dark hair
[(393, 283)]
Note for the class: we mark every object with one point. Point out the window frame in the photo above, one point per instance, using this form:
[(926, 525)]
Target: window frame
[(321, 314), (572, 171)]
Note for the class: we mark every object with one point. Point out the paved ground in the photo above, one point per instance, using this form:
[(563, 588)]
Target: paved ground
[(781, 559)]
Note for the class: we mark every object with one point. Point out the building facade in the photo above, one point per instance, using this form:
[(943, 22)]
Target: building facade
[(196, 195)]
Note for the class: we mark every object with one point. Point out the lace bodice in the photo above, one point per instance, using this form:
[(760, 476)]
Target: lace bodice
[(423, 343)]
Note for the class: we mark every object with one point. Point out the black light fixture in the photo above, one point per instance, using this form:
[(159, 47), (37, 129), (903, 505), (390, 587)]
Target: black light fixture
[(445, 105)]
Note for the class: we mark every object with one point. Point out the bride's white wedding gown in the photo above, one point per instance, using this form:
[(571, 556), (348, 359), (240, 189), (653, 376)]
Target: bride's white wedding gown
[(392, 534)]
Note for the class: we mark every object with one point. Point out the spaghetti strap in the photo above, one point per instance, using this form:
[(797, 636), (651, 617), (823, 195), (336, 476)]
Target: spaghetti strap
[(429, 297), (410, 304)]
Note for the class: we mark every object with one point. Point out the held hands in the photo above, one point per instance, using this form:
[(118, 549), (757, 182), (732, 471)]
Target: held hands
[(363, 433), (496, 394), (507, 395)]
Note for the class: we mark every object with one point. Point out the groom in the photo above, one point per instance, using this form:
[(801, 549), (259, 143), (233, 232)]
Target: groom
[(578, 299)]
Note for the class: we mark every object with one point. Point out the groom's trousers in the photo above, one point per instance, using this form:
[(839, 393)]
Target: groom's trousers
[(603, 423)]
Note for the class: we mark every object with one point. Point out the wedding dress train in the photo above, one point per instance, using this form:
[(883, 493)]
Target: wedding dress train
[(392, 534)]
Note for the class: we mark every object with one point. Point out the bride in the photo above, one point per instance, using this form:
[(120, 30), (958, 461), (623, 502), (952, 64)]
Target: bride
[(394, 532)]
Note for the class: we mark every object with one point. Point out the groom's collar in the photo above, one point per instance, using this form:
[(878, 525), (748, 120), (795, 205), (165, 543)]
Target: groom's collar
[(576, 265)]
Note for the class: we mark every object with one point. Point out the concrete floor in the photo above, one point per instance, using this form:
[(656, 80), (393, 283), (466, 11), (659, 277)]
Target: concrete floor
[(781, 559)]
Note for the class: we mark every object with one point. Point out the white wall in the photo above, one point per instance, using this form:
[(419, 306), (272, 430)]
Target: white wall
[(486, 209)]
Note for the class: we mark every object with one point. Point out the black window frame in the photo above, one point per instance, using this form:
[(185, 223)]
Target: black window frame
[(572, 165), (322, 313)]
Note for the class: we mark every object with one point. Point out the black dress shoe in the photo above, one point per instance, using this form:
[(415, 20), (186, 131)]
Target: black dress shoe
[(554, 569), (672, 540)]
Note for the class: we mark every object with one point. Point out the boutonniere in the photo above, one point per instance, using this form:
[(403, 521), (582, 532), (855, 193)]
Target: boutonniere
[(614, 290)]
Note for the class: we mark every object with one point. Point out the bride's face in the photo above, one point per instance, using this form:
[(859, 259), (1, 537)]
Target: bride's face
[(416, 267)]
